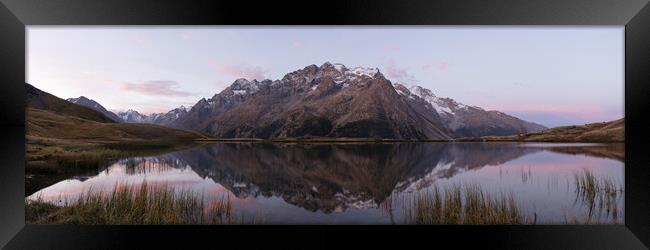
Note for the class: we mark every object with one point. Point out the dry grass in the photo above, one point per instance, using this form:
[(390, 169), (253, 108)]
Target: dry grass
[(467, 204), (134, 205), (613, 131), (64, 140), (599, 195), (48, 124)]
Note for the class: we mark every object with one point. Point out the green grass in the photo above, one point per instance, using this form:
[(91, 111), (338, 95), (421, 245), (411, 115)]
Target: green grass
[(467, 204), (139, 205), (598, 194)]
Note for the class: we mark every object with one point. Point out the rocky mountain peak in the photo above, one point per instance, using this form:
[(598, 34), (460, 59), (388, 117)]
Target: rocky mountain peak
[(333, 100), (80, 98), (354, 72), (244, 85), (335, 66), (90, 103)]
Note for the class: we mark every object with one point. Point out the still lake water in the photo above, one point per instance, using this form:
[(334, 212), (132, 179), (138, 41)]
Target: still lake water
[(367, 183)]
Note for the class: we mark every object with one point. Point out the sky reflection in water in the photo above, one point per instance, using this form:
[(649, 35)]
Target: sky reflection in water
[(364, 183)]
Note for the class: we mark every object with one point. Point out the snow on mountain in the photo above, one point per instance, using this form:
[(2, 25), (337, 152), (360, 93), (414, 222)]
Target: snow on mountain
[(361, 71), (328, 100), (132, 116), (242, 86), (334, 100), (465, 120)]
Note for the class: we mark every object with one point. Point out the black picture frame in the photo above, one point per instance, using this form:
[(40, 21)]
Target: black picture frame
[(16, 14)]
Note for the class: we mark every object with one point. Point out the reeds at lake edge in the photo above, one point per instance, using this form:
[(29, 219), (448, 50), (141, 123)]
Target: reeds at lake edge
[(139, 205), (464, 204), (599, 195)]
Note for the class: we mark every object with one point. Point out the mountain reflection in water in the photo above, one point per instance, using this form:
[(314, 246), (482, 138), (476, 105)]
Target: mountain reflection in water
[(325, 180)]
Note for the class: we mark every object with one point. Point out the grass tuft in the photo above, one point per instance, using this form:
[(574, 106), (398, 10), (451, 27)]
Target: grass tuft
[(468, 204), (599, 194)]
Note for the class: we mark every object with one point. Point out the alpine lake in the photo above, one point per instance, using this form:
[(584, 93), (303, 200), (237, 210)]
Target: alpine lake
[(380, 183)]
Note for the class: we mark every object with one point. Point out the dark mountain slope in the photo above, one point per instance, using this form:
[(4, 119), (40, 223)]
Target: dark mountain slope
[(89, 103), (42, 100)]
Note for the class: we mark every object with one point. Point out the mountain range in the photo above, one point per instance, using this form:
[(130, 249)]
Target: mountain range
[(331, 101), (132, 116)]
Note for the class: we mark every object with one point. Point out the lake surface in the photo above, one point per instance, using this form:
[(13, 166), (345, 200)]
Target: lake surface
[(369, 183)]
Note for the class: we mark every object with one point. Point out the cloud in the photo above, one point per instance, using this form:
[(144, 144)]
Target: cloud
[(592, 113), (553, 108), (221, 84), (297, 44), (248, 72), (157, 88), (394, 72), (556, 114), (442, 66)]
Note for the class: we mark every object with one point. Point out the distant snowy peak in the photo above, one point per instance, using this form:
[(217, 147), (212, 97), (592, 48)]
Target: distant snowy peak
[(133, 116), (182, 108), (131, 112), (174, 114)]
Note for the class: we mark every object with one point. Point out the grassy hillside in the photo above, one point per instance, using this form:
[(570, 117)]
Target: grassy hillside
[(39, 99), (56, 121), (47, 124), (613, 131), (57, 135)]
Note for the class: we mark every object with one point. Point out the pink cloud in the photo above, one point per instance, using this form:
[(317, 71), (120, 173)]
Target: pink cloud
[(442, 66), (394, 72), (297, 44), (221, 84), (248, 72), (551, 108), (586, 112), (159, 88)]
